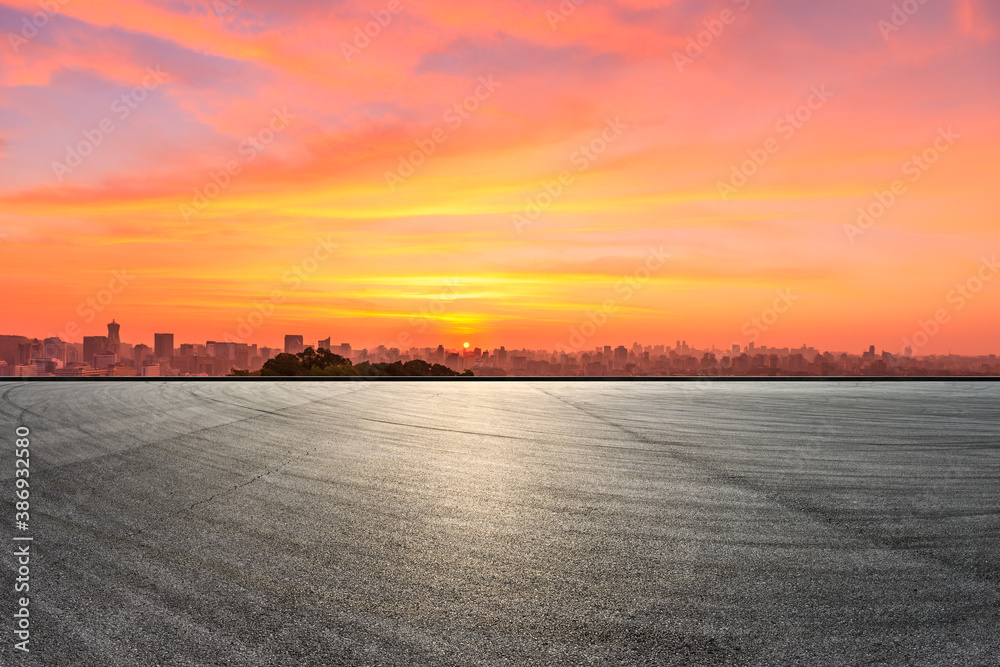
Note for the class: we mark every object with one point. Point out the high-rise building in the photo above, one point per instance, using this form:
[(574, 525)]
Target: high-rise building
[(31, 349), (621, 356), (294, 344), (323, 344), (54, 348), (163, 348), (140, 353), (114, 339), (92, 346), (221, 349), (9, 346)]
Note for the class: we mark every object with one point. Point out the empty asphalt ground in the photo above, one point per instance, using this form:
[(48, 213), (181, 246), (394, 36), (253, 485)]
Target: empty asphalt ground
[(515, 523)]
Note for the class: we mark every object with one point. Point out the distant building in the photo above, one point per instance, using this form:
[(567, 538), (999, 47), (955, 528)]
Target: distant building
[(323, 344), (294, 344), (80, 370), (104, 360), (141, 353), (54, 348), (217, 349), (93, 346), (163, 348), (114, 339), (9, 347)]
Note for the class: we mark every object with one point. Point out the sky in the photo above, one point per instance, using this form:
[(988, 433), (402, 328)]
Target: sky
[(524, 173)]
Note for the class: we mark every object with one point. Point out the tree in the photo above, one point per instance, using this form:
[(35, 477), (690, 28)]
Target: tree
[(417, 367), (284, 365), (322, 362)]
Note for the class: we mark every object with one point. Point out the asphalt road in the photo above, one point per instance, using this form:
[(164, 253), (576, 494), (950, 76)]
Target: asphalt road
[(515, 523)]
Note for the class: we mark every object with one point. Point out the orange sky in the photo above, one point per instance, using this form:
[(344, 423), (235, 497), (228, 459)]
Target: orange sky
[(430, 156)]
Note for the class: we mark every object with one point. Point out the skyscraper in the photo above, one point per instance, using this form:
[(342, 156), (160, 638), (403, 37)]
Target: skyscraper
[(324, 344), (92, 346), (294, 344), (140, 353), (621, 357), (114, 340), (9, 346), (163, 348)]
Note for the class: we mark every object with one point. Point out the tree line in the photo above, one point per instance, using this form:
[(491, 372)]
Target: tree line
[(324, 363)]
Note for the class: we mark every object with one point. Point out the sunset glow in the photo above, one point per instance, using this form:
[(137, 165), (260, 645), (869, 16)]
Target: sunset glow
[(500, 171)]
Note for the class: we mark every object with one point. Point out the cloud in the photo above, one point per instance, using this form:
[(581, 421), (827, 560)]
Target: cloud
[(355, 121)]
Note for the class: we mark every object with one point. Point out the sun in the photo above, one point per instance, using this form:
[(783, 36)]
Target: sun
[(465, 345)]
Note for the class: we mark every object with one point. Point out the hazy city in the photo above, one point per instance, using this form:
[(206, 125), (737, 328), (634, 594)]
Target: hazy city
[(109, 356)]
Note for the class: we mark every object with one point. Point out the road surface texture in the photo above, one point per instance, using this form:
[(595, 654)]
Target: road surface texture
[(249, 523)]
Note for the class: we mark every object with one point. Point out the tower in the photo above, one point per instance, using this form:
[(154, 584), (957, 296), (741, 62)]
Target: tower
[(114, 340)]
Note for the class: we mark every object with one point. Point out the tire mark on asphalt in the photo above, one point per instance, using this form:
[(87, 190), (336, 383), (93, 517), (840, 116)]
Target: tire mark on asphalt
[(815, 512), (446, 430)]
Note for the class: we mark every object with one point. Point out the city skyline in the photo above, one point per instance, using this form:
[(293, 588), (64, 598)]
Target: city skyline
[(918, 342), (109, 355), (495, 173)]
